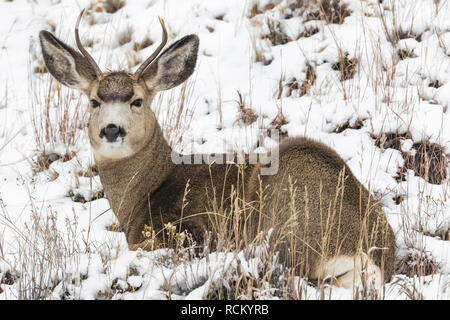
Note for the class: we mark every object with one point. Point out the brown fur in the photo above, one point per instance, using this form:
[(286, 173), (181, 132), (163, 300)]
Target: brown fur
[(149, 176), (315, 206), (355, 221), (57, 59), (116, 86)]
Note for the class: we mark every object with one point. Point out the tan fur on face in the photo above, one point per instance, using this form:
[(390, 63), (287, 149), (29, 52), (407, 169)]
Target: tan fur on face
[(116, 90), (114, 109)]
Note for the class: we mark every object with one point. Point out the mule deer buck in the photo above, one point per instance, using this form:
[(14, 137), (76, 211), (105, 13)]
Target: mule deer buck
[(339, 229)]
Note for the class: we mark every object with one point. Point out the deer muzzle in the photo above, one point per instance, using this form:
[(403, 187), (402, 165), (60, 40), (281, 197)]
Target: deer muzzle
[(112, 132)]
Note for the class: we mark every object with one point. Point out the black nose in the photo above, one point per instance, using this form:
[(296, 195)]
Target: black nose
[(111, 132)]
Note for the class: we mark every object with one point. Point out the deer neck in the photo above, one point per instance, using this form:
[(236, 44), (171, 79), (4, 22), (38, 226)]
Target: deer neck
[(140, 174)]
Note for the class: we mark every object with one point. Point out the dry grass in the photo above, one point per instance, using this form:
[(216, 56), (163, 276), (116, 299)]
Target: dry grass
[(144, 43), (346, 66), (405, 53), (358, 124), (329, 11), (391, 140), (112, 6), (125, 36), (115, 227), (418, 262), (108, 6), (333, 11), (279, 121), (427, 160), (415, 260), (309, 31), (256, 9), (276, 34), (76, 197), (132, 59), (261, 50), (54, 123), (40, 68), (92, 171), (43, 160), (287, 88), (246, 114), (177, 118), (295, 87), (306, 85), (43, 254)]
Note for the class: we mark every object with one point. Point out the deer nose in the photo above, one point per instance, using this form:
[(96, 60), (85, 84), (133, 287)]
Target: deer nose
[(111, 132)]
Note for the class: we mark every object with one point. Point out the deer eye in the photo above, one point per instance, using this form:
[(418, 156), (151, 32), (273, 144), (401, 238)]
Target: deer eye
[(95, 103), (137, 103)]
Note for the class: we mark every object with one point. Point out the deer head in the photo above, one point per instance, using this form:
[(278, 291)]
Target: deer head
[(121, 122)]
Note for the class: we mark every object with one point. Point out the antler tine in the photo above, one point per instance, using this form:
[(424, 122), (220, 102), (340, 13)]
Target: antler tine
[(147, 62), (86, 54)]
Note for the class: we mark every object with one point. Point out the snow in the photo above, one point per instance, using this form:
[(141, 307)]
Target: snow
[(386, 94)]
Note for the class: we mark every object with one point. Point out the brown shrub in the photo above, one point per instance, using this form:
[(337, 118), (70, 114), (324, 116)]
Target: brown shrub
[(146, 42), (330, 11), (112, 6), (417, 263), (345, 66), (429, 160), (246, 115), (357, 125), (276, 35), (44, 160)]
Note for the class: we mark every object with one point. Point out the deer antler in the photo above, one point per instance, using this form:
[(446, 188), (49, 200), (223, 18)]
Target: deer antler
[(147, 62), (86, 54)]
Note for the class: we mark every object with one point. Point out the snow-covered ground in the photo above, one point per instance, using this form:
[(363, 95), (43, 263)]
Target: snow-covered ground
[(55, 243)]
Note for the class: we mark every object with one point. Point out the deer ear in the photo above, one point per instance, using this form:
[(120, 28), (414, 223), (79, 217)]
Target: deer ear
[(64, 63), (174, 65)]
